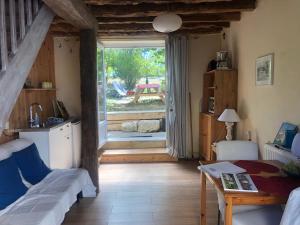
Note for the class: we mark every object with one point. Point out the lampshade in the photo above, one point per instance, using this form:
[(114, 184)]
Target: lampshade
[(167, 23), (229, 115)]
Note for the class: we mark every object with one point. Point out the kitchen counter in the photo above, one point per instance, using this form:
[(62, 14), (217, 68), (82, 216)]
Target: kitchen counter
[(41, 129)]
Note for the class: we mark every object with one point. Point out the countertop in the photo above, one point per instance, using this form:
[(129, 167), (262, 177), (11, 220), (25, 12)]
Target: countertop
[(43, 129)]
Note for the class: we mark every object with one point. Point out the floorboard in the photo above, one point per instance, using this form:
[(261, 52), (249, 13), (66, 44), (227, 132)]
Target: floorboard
[(145, 194)]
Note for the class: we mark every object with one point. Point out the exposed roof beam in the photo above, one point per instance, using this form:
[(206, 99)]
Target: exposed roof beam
[(207, 17), (152, 9), (74, 12), (148, 26), (153, 33), (134, 2)]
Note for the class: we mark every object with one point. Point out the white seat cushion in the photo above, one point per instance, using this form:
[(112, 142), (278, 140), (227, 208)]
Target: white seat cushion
[(47, 202), (291, 214), (268, 215)]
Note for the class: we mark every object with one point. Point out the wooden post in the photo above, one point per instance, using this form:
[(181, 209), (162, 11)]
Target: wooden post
[(89, 120)]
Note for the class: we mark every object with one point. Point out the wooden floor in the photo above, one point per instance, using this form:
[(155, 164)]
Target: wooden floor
[(145, 194)]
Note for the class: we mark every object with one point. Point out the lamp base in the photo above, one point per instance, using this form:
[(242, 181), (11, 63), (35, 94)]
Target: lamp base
[(229, 126)]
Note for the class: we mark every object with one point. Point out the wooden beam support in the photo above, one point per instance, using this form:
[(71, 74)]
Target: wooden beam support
[(13, 79), (149, 27), (152, 9), (74, 12), (208, 17), (134, 2), (154, 33), (63, 28), (89, 119)]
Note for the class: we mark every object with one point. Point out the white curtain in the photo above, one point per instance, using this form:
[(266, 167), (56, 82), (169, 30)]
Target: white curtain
[(178, 110)]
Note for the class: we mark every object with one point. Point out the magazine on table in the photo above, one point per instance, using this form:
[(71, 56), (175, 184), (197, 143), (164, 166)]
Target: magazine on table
[(216, 169), (240, 182)]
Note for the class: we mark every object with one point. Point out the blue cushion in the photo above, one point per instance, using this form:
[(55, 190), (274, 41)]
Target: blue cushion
[(11, 185), (31, 165)]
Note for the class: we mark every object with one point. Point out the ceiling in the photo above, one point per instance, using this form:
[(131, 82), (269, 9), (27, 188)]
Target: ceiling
[(123, 18)]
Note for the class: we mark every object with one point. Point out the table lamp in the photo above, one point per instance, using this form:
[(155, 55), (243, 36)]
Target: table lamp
[(229, 116)]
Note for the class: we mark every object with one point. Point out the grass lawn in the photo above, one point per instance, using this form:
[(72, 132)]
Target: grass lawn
[(127, 104)]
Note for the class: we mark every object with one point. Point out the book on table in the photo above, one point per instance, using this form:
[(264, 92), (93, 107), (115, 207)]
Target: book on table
[(240, 182), (216, 169)]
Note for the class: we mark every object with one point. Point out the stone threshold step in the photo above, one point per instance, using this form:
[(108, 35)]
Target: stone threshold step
[(136, 155)]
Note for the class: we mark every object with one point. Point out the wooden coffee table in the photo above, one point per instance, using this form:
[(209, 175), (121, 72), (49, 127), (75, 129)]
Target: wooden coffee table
[(238, 198)]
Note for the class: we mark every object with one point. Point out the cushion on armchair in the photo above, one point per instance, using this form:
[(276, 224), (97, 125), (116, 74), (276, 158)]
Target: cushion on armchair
[(32, 167), (11, 185)]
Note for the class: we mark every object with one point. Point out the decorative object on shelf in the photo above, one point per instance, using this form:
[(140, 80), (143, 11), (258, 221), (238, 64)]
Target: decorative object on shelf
[(229, 116), (212, 65), (223, 60), (27, 83), (47, 85), (285, 135), (265, 70), (167, 23), (211, 104)]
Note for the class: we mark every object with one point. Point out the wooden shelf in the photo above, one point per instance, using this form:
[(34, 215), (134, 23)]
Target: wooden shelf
[(211, 87), (39, 89)]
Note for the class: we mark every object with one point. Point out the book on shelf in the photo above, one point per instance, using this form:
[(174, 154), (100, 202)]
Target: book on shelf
[(216, 169), (240, 182)]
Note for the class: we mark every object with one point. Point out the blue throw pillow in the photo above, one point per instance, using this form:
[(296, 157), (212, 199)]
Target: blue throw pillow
[(11, 185), (32, 167)]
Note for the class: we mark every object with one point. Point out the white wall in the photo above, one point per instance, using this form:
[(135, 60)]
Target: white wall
[(272, 28), (67, 73), (202, 50)]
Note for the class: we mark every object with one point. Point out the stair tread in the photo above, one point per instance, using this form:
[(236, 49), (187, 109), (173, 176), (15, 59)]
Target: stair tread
[(136, 151), (130, 139)]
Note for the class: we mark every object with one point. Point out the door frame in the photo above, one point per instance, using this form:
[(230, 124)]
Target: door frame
[(102, 124)]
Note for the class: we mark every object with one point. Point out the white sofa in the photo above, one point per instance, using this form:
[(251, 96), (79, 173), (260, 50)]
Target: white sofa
[(47, 202)]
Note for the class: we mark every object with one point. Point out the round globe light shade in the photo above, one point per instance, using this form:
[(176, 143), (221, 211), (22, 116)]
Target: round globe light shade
[(167, 23)]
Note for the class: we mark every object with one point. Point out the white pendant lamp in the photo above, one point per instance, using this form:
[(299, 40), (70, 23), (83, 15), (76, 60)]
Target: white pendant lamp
[(167, 23)]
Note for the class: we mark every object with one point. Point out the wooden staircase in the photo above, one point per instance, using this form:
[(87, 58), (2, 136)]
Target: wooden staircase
[(23, 28)]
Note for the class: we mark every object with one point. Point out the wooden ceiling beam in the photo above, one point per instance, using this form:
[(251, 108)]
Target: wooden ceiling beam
[(207, 17), (149, 27), (154, 33), (152, 9), (135, 2), (74, 12)]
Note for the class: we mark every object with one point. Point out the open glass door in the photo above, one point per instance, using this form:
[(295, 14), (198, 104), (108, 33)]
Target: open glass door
[(101, 83)]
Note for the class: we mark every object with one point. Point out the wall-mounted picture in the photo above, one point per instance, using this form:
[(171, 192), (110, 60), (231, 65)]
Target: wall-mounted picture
[(264, 70)]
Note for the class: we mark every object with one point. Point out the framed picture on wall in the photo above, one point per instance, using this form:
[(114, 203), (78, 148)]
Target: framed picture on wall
[(265, 70)]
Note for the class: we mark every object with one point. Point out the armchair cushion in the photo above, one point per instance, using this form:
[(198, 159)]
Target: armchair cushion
[(237, 150), (268, 215), (291, 214)]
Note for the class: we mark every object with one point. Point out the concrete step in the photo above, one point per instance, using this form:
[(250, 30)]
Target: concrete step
[(133, 144), (136, 155)]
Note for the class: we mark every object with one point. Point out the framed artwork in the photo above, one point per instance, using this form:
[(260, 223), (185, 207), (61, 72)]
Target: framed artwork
[(265, 70)]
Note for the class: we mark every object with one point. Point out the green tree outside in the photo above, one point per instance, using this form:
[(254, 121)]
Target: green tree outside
[(132, 64)]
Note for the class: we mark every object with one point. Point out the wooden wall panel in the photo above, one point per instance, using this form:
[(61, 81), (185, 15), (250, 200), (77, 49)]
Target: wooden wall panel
[(42, 70)]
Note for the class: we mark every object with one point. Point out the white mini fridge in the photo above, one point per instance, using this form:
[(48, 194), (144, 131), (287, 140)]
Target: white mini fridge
[(76, 145)]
